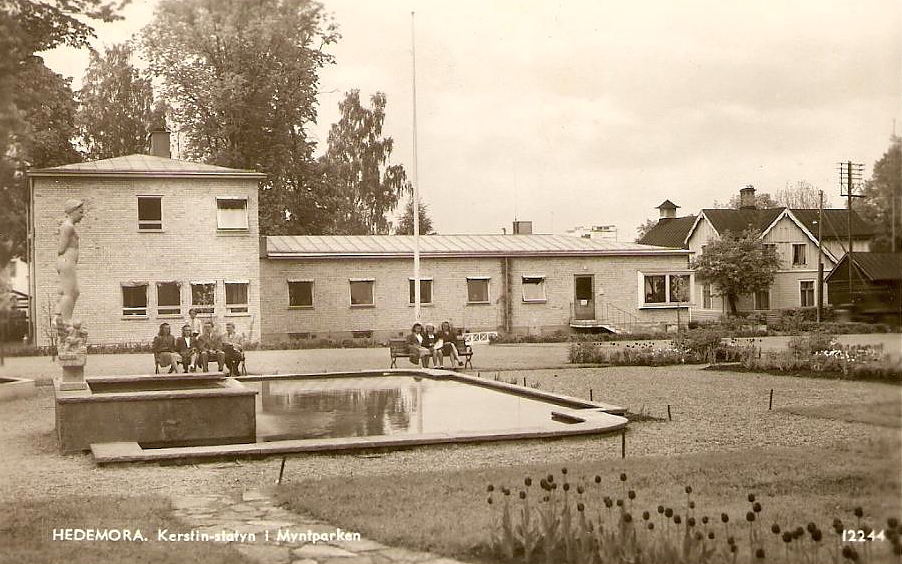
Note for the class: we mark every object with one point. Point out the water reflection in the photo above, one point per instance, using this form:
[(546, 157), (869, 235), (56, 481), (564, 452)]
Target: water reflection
[(388, 405)]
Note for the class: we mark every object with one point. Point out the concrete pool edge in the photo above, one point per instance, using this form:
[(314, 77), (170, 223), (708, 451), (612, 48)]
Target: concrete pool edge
[(589, 418)]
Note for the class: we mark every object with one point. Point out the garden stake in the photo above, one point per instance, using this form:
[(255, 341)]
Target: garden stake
[(590, 395), (524, 381), (770, 405), (669, 418), (281, 470), (623, 443)]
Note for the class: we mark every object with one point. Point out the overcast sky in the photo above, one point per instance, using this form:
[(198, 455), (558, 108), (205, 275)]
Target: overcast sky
[(581, 112)]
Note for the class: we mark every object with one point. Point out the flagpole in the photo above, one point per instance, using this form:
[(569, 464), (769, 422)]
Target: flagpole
[(416, 193)]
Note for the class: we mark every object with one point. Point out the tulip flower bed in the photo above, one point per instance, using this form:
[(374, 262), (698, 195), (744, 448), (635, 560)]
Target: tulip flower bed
[(679, 351)]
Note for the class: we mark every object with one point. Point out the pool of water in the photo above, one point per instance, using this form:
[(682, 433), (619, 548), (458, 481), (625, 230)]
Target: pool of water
[(391, 405)]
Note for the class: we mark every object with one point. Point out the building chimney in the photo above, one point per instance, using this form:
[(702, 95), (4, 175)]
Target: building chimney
[(159, 143), (522, 228), (747, 198), (668, 209)]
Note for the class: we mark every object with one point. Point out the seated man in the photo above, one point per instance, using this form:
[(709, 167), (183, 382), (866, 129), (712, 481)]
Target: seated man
[(210, 346), (164, 352), (233, 347), (186, 346), (419, 349)]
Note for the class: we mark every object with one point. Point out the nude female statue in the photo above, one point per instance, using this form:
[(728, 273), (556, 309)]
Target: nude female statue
[(67, 258)]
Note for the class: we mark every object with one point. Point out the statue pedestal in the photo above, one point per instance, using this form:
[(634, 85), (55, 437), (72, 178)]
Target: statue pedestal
[(73, 364)]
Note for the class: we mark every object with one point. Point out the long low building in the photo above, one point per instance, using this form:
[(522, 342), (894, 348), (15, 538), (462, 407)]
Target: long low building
[(362, 286)]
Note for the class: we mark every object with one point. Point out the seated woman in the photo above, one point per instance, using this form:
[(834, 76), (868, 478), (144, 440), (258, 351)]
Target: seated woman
[(449, 336), (434, 343), (164, 352), (419, 346)]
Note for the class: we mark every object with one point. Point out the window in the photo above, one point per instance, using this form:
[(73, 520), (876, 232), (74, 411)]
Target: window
[(134, 299), (169, 298), (150, 213), (655, 289), (203, 296), (231, 213), (299, 336), (236, 297), (798, 255), (425, 291), (806, 293), (477, 290), (706, 296), (679, 288), (362, 292), (300, 293), (362, 334), (533, 288), (666, 289), (762, 299)]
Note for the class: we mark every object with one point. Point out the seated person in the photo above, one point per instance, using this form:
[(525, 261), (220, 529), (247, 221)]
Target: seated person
[(435, 344), (449, 336), (186, 346), (164, 352), (210, 346), (233, 347), (419, 351)]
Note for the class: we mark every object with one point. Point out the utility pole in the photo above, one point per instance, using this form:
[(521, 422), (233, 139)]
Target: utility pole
[(416, 188), (850, 175), (820, 256)]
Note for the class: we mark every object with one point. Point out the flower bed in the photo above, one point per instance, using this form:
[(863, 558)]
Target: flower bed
[(692, 347)]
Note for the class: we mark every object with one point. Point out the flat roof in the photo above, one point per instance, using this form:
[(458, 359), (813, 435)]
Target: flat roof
[(432, 246), (144, 166)]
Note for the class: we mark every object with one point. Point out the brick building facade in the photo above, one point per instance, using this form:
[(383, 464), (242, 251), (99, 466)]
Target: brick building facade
[(159, 236)]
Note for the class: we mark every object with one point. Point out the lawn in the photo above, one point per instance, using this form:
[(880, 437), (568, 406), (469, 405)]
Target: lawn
[(446, 512), (27, 528)]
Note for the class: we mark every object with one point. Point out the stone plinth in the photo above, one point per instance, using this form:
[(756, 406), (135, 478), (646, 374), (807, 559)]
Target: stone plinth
[(155, 411), (73, 363)]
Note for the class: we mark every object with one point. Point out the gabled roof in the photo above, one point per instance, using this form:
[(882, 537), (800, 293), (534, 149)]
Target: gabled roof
[(737, 221), (346, 246), (669, 232), (144, 165), (836, 223), (875, 266), (667, 205)]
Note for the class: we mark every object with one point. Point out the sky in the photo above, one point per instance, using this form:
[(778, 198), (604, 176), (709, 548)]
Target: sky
[(579, 112)]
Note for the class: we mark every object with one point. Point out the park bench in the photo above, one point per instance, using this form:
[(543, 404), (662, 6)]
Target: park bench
[(398, 348)]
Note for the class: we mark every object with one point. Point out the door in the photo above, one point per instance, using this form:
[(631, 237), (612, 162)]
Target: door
[(583, 296)]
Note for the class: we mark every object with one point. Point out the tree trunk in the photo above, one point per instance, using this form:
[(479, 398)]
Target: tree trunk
[(731, 299)]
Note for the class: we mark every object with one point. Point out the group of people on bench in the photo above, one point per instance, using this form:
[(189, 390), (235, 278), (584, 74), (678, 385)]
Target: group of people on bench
[(426, 343), (199, 343)]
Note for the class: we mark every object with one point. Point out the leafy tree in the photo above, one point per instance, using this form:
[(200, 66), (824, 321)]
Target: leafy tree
[(28, 27), (644, 228), (356, 165), (405, 223), (762, 201), (737, 265), (802, 195), (241, 82), (883, 196), (116, 105)]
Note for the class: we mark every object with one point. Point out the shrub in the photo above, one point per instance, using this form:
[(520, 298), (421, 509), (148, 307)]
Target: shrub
[(701, 342)]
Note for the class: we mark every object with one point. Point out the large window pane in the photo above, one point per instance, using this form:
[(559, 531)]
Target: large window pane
[(477, 290), (425, 291), (655, 289), (300, 293), (533, 289), (134, 300), (231, 213), (203, 297), (169, 298), (806, 293), (679, 288), (236, 297), (362, 292), (150, 213)]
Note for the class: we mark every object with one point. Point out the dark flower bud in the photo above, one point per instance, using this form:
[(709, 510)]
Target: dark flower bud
[(490, 501), (554, 485), (751, 498), (631, 494), (688, 489), (705, 520), (847, 551), (597, 479), (710, 535), (733, 548), (580, 506), (491, 488), (651, 526), (627, 517), (522, 495), (505, 491), (816, 535), (527, 482), (759, 553), (690, 521), (564, 471), (622, 477), (859, 512), (757, 507), (749, 516), (545, 498), (677, 519), (550, 478), (566, 487), (646, 515), (798, 533), (619, 502), (810, 527), (660, 509), (580, 489), (724, 518), (731, 541), (691, 505), (607, 502), (668, 513), (787, 536), (775, 529)]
